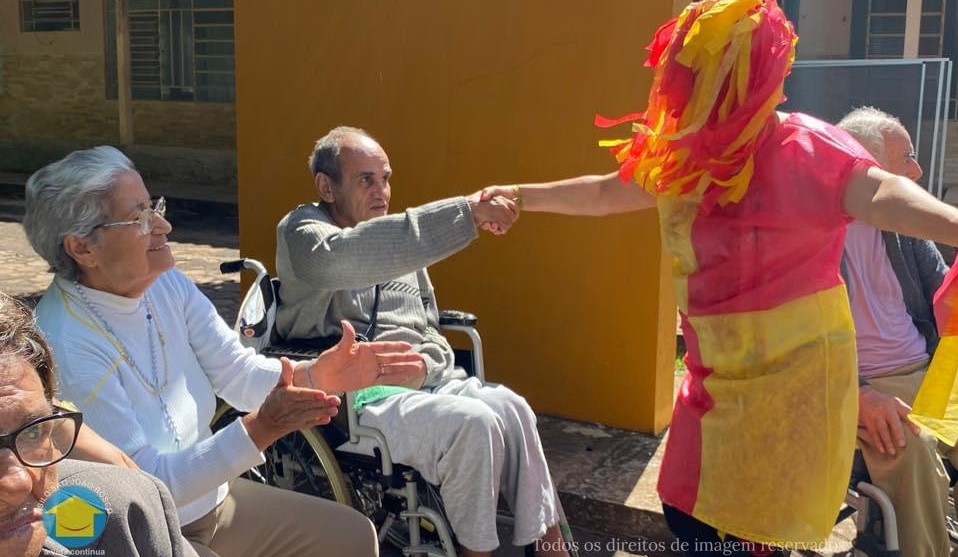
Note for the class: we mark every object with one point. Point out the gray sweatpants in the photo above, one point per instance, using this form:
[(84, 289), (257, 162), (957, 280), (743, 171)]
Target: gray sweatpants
[(475, 441)]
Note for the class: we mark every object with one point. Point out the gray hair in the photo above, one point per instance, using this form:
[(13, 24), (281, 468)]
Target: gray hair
[(869, 125), (68, 197), (325, 157)]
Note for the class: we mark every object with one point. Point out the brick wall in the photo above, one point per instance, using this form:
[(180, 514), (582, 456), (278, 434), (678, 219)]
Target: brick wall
[(52, 101), (55, 96), (185, 124)]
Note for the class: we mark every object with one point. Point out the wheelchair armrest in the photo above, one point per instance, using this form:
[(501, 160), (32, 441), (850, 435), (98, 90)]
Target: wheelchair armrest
[(463, 322), (460, 318), (356, 432)]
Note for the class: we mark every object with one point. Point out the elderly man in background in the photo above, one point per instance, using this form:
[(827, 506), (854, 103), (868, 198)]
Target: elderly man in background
[(345, 257), (891, 282)]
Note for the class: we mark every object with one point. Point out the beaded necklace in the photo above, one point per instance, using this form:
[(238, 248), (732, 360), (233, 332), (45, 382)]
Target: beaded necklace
[(153, 384)]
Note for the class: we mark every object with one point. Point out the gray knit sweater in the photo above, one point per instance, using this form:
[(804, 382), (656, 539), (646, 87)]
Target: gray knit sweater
[(329, 273)]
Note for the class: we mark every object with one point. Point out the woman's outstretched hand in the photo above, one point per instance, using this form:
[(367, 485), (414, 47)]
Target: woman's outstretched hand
[(352, 365), (288, 408)]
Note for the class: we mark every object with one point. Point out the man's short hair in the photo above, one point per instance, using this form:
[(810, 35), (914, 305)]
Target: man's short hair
[(325, 156), (869, 125)]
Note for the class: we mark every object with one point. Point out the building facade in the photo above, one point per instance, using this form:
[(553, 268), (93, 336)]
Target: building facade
[(58, 84)]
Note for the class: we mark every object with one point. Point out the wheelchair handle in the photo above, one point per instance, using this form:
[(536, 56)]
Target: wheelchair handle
[(230, 267)]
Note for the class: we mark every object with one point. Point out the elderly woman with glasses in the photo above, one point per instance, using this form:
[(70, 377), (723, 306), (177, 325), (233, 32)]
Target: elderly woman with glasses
[(35, 437), (143, 354)]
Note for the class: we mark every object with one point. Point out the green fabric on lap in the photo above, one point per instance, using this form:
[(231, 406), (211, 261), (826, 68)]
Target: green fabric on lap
[(370, 395)]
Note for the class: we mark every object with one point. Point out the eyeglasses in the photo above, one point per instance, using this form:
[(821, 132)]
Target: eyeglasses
[(144, 220), (44, 441)]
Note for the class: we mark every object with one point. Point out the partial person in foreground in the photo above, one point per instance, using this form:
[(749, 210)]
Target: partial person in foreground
[(891, 280), (345, 259), (36, 436), (753, 206), (143, 353)]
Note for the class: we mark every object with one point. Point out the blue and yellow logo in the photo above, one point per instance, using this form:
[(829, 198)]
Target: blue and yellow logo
[(74, 516)]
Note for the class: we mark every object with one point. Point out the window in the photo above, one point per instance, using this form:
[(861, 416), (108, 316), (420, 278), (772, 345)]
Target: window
[(885, 31), (179, 50), (49, 15)]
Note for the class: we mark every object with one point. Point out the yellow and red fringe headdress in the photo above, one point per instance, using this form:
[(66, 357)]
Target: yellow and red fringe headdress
[(719, 70)]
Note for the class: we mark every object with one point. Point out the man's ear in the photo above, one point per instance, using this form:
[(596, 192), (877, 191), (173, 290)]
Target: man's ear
[(324, 187), (80, 249)]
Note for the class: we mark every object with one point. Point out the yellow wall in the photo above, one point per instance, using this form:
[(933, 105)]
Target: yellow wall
[(577, 313)]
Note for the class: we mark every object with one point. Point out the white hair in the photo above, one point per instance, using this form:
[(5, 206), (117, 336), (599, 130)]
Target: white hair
[(869, 126), (67, 197)]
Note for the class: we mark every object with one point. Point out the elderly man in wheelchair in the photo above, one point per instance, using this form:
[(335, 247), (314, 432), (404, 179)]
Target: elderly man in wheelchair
[(344, 257)]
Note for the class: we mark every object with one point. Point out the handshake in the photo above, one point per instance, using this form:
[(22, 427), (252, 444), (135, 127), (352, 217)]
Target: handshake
[(495, 208)]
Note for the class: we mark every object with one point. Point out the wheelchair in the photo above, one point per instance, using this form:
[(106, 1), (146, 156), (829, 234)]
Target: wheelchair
[(334, 461), (876, 522)]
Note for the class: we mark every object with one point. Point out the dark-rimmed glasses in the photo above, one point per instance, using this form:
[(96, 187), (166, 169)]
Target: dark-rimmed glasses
[(144, 220), (46, 440)]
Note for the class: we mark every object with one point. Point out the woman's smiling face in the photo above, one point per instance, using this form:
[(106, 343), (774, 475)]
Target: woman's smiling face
[(123, 260)]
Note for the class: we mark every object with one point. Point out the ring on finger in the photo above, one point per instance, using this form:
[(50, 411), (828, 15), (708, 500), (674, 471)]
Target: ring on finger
[(382, 370)]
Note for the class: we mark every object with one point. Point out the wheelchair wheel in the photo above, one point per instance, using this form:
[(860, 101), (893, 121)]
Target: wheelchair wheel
[(301, 461), (384, 507)]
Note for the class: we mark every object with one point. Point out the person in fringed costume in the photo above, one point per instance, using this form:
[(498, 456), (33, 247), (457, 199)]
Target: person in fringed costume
[(753, 206)]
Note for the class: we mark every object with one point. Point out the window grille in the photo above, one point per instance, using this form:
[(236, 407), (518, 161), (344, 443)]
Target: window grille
[(179, 50), (49, 15), (885, 31)]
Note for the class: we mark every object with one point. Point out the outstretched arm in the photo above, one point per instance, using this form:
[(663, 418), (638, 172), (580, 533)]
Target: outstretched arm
[(352, 365), (895, 203), (591, 195)]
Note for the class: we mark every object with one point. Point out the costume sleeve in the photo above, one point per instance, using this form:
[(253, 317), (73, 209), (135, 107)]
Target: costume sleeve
[(88, 378), (818, 160), (379, 249), (237, 373)]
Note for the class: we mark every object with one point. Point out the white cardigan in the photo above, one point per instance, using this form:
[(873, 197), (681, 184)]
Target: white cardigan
[(204, 359)]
